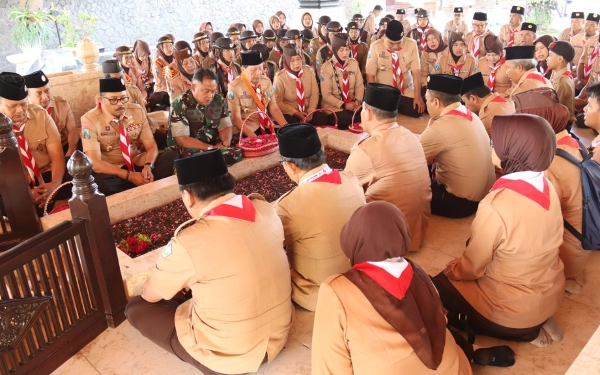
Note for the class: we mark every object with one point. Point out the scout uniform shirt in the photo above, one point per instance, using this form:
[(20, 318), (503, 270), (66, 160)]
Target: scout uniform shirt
[(594, 72), (313, 215), (458, 143), (39, 132), (583, 46), (506, 31), (430, 64), (451, 27), (359, 52), (232, 259), (240, 98), (530, 80), (131, 79), (190, 119), (494, 104), (177, 83), (60, 111), (466, 66), (501, 81), (143, 70), (286, 92), (275, 56), (568, 33), (379, 64), (332, 92), (100, 132), (391, 166), (159, 66), (324, 54), (563, 83), (471, 42), (510, 271)]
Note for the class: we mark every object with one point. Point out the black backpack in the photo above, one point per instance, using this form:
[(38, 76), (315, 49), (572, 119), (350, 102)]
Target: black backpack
[(590, 189)]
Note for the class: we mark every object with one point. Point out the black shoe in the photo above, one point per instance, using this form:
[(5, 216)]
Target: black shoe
[(499, 356)]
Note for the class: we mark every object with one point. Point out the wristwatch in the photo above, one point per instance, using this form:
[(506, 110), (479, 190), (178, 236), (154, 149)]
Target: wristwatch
[(150, 164)]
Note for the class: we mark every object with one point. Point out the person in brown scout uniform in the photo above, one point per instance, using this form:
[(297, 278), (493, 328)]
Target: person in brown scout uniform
[(307, 22), (310, 46), (322, 29), (577, 20), (364, 35), (456, 25), (219, 296), (457, 147), (269, 67), (179, 73), (247, 39), (383, 316), (314, 212), (342, 86), (358, 49), (390, 163), (276, 51), (38, 140), (430, 58), (369, 25), (162, 58), (294, 38), (250, 92), (225, 68), (418, 33), (458, 62), (528, 34), (142, 63), (509, 280), (561, 54), (474, 39), (269, 39), (510, 34), (394, 61), (325, 53), (590, 77), (493, 65), (401, 17), (234, 34), (479, 99), (202, 49), (584, 44), (118, 140), (297, 90), (258, 27), (520, 68), (38, 88), (130, 74), (542, 52)]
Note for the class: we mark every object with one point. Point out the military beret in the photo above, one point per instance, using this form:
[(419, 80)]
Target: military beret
[(564, 49), (423, 13), (36, 79), (112, 85), (232, 31), (394, 31), (299, 140), (401, 11), (517, 10), (200, 167), (182, 50), (12, 86), (324, 20), (293, 34), (577, 15), (445, 83), (352, 26), (251, 57), (479, 16), (458, 10), (225, 43), (472, 82), (384, 97), (269, 34), (247, 34), (334, 27), (111, 66), (528, 26), (520, 52), (593, 17)]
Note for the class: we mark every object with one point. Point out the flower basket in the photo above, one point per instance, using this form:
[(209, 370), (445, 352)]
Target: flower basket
[(259, 145), (310, 115), (355, 126), (62, 207)]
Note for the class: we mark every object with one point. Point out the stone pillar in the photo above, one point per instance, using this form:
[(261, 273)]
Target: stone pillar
[(87, 53), (89, 204)]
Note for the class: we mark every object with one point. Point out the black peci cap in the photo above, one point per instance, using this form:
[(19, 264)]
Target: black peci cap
[(445, 83), (36, 80), (12, 86), (472, 82), (200, 167), (384, 97), (299, 140)]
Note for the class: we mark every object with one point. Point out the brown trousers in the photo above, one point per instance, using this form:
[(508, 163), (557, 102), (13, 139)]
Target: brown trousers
[(156, 321)]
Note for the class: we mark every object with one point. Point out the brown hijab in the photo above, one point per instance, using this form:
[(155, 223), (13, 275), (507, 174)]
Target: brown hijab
[(523, 142), (378, 231), (543, 102), (141, 46), (442, 45)]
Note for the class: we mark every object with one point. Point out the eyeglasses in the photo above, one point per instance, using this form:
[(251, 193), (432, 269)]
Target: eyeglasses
[(478, 24), (115, 101)]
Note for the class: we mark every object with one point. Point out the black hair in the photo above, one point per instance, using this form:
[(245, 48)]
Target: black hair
[(204, 73), (211, 188), (308, 163), (444, 97), (480, 92)]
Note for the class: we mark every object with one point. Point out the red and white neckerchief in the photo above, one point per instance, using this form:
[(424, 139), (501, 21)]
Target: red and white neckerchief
[(462, 111), (395, 277), (567, 140), (238, 207), (299, 89), (499, 99), (476, 44), (49, 110), (532, 185), (587, 69), (124, 143), (345, 82), (492, 80), (511, 37), (278, 51), (354, 49), (567, 73), (456, 68), (264, 120), (537, 76), (228, 70), (397, 76), (32, 168), (326, 174), (423, 42)]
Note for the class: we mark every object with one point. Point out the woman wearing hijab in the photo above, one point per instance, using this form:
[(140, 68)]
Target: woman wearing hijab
[(143, 66), (384, 315), (162, 59), (308, 23), (458, 62), (258, 27), (297, 92), (510, 280), (492, 66), (180, 72), (274, 23), (225, 68), (430, 57), (206, 26), (342, 86), (565, 177), (541, 54), (282, 20), (130, 74), (201, 44)]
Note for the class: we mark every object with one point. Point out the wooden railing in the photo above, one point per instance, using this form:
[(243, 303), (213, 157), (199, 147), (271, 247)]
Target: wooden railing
[(63, 287)]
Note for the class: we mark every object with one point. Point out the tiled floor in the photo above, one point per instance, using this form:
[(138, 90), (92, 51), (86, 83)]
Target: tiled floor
[(123, 351)]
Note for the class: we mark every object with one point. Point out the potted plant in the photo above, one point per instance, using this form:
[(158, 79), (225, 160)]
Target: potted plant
[(75, 33), (30, 32)]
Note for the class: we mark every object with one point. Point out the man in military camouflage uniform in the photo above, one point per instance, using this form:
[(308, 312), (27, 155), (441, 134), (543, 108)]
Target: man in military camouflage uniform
[(200, 118)]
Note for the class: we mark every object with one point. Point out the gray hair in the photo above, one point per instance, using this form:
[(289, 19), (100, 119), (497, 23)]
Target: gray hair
[(380, 114), (527, 64)]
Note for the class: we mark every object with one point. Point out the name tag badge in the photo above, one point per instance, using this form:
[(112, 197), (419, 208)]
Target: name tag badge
[(108, 134)]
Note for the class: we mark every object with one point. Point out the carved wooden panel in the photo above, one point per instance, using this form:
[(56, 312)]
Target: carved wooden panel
[(17, 317)]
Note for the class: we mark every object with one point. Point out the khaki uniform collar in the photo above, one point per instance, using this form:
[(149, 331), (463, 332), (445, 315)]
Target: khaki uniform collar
[(215, 202), (449, 108)]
